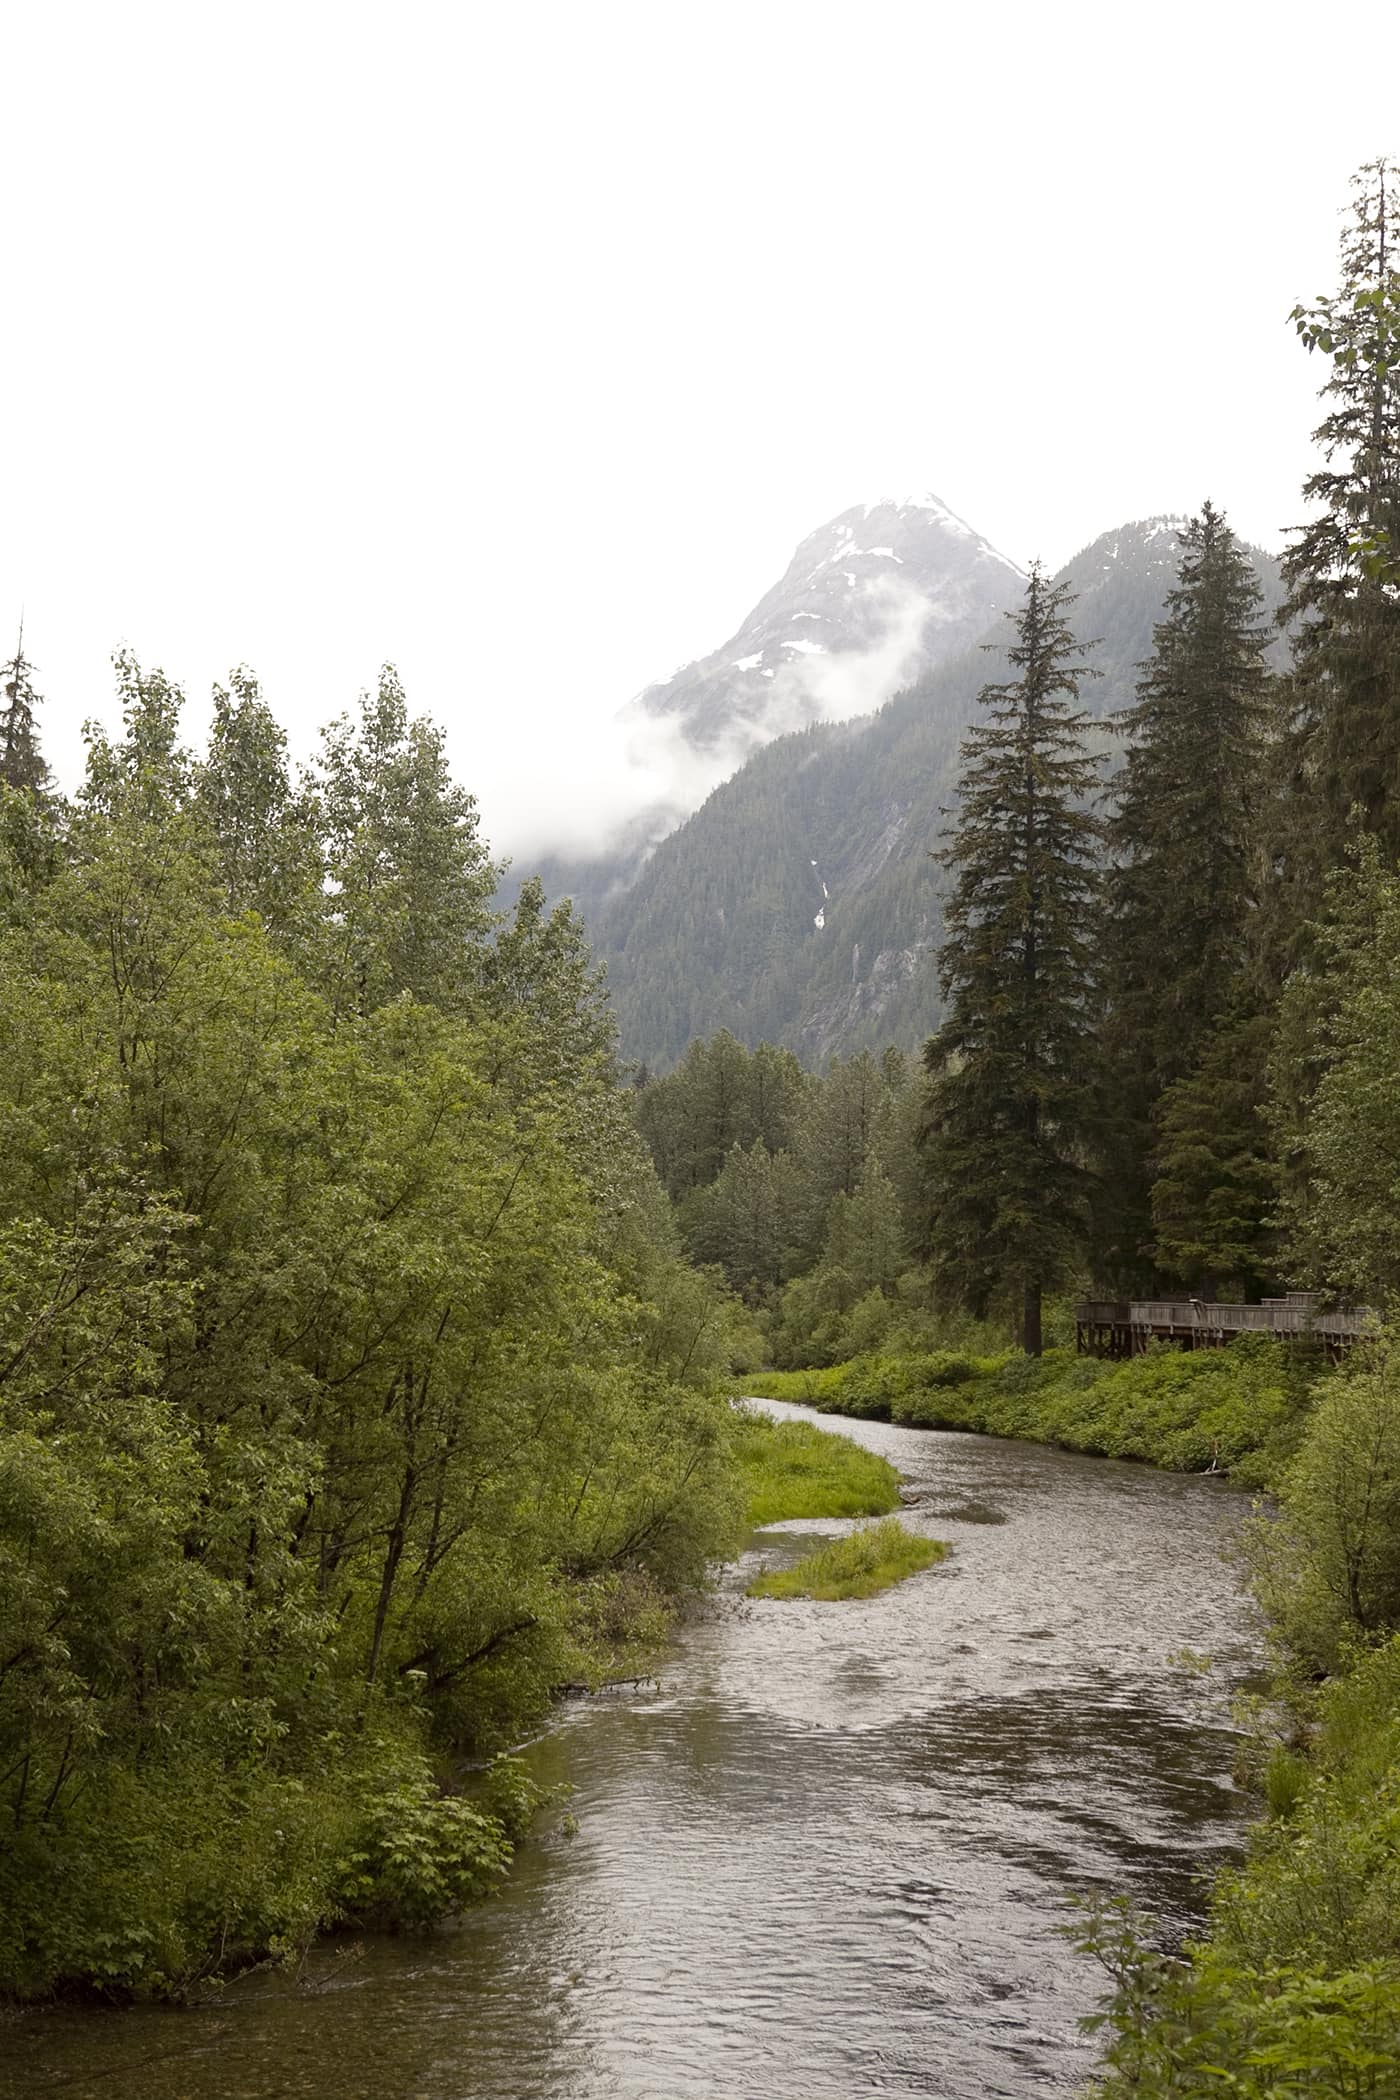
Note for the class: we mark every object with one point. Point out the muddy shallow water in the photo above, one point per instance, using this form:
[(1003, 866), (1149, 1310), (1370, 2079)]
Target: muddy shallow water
[(826, 1856)]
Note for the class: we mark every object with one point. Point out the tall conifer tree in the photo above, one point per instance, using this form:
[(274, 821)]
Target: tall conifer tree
[(1011, 1067), (1343, 571), (1185, 869), (1341, 750), (21, 761)]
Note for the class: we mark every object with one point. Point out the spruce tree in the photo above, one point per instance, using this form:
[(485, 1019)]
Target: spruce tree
[(21, 761), (1340, 756), (1184, 878), (1216, 1185), (1343, 571), (1011, 1068)]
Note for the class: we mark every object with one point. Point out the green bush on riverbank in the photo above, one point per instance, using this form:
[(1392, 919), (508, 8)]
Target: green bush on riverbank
[(859, 1565), (1297, 1989), (1238, 1409)]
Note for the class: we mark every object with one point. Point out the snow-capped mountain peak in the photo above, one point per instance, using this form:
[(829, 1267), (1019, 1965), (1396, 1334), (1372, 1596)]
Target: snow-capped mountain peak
[(869, 602)]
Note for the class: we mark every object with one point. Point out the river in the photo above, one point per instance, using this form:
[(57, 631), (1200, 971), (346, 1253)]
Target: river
[(828, 1855)]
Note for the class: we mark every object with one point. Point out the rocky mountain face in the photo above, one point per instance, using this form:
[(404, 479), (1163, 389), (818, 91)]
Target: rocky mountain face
[(868, 604), (800, 904)]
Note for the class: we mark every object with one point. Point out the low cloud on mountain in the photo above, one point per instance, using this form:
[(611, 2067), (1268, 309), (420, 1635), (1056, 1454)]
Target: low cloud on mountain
[(869, 602), (627, 781)]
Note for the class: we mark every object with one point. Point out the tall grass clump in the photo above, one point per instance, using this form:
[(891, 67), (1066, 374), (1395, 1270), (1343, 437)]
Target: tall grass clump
[(859, 1565), (790, 1469)]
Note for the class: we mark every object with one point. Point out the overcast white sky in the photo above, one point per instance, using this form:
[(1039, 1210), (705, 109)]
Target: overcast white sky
[(520, 344)]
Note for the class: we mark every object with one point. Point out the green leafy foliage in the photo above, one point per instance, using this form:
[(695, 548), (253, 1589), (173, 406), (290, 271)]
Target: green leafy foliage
[(1328, 1567), (1297, 1989), (1236, 1409), (417, 1853), (1217, 2024), (354, 1393)]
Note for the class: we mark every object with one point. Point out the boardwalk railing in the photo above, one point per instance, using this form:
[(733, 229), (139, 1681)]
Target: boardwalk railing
[(1124, 1327)]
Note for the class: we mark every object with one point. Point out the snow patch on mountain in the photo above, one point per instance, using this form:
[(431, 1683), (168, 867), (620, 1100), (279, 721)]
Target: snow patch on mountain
[(881, 594), (838, 586)]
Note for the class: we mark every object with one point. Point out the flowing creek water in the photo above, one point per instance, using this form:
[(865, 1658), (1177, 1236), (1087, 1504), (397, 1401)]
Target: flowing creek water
[(827, 1855)]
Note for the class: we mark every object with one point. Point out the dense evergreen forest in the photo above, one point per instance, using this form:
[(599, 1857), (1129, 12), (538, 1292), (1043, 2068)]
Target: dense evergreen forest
[(1146, 968), (365, 1327)]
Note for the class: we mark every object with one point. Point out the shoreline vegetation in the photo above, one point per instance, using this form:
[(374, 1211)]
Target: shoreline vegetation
[(793, 1470), (1295, 1986), (355, 1391), (1239, 1410), (870, 1559)]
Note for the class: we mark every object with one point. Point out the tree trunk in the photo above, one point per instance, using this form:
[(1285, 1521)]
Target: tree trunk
[(1030, 1320), (393, 1554)]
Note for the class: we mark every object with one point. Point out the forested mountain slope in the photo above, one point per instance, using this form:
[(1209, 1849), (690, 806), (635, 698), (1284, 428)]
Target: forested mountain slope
[(799, 904)]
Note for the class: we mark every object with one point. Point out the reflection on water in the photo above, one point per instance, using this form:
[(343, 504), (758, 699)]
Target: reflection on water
[(827, 1856)]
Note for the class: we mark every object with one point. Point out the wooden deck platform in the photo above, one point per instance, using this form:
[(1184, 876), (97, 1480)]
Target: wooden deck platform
[(1119, 1327)]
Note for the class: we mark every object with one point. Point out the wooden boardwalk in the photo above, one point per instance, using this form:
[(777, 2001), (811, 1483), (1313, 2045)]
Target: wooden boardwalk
[(1118, 1327)]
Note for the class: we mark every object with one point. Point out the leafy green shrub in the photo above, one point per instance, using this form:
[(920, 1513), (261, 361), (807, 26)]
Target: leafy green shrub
[(945, 1367), (1236, 1409), (807, 1388), (419, 1854), (1298, 1989), (1322, 1886), (184, 1869), (1285, 1777), (1213, 2024), (868, 1324), (1331, 1569)]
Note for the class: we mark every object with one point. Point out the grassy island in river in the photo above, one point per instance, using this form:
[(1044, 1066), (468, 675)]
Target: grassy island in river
[(862, 1564), (790, 1469)]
